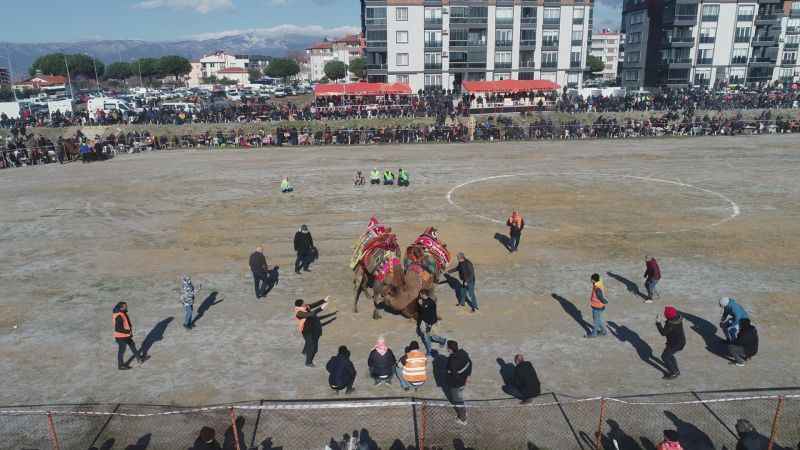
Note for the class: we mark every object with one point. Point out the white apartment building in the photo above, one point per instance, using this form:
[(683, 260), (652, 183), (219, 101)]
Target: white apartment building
[(710, 42), (211, 65), (345, 50), (439, 44), (605, 45)]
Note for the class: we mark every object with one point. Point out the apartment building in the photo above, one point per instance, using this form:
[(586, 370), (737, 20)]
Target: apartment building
[(344, 50), (606, 46), (5, 78), (434, 44), (684, 43)]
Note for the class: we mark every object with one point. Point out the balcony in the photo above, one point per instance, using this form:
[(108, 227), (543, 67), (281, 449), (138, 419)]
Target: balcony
[(575, 65), (376, 66), (713, 18), (790, 45), (577, 21), (765, 41), (551, 23), (763, 61), (502, 65), (741, 39), (468, 20), (704, 61), (377, 21), (529, 21), (503, 43), (504, 23), (433, 66), (433, 23), (527, 63), (707, 39), (767, 19), (792, 30), (682, 20), (741, 60), (467, 43), (433, 44), (579, 42), (550, 43), (788, 61), (677, 61), (376, 44), (527, 43), (549, 64), (745, 17), (467, 64), (687, 39)]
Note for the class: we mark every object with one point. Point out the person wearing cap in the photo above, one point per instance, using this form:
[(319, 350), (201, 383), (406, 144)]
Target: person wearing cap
[(466, 273), (732, 316), (746, 344), (672, 329), (304, 246)]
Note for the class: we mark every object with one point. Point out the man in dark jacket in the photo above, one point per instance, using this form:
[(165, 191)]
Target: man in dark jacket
[(381, 362), (309, 325), (749, 438), (427, 317), (459, 369), (466, 273), (304, 246), (672, 329), (123, 334), (746, 344), (206, 440), (525, 382), (258, 265), (652, 275), (342, 372)]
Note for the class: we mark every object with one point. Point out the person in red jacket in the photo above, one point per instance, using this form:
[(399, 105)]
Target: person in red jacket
[(652, 275)]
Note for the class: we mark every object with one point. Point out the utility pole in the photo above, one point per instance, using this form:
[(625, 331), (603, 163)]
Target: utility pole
[(96, 78), (69, 79), (11, 74)]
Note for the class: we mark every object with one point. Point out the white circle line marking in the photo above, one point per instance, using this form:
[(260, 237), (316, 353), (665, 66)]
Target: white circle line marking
[(735, 210)]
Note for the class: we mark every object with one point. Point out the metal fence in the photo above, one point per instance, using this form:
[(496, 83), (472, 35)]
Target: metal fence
[(702, 420)]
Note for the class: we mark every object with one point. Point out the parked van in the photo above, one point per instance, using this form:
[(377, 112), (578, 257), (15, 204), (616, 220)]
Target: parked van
[(107, 104), (179, 106)]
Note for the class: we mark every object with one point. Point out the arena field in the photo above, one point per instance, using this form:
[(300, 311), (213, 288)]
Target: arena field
[(720, 214)]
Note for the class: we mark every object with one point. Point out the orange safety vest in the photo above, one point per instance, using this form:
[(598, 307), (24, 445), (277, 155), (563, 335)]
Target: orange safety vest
[(126, 324), (515, 220), (301, 323), (594, 300), (414, 368)]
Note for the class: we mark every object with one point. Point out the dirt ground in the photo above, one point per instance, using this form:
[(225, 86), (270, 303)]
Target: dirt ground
[(720, 214)]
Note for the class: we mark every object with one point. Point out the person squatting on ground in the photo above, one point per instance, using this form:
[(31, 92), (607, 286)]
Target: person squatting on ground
[(672, 329), (388, 178), (309, 326), (403, 180), (342, 372), (525, 384), (375, 177), (258, 265), (286, 187), (412, 368), (304, 246), (652, 275), (187, 299), (206, 440), (427, 317), (381, 362), (745, 346), (459, 369), (466, 273), (358, 179), (123, 334), (598, 302), (515, 225), (732, 316)]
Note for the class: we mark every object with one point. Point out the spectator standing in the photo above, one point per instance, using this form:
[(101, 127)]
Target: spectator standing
[(525, 384), (304, 246), (732, 316), (515, 224), (652, 275), (412, 370), (123, 334), (187, 299), (309, 326), (342, 373), (258, 265), (672, 329), (459, 369), (746, 344), (598, 302), (426, 319), (466, 273), (381, 362), (206, 440)]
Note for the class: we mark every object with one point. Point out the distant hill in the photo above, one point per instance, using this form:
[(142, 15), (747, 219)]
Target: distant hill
[(277, 41)]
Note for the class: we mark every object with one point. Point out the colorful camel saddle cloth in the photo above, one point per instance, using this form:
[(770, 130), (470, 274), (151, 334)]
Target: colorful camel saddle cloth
[(429, 244), (377, 237), (387, 267)]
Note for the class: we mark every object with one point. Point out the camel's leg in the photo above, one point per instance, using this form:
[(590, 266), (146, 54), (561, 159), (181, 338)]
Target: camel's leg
[(375, 314), (358, 286)]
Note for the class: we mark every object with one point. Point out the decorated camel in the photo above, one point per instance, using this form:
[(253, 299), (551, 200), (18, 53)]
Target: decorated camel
[(379, 272)]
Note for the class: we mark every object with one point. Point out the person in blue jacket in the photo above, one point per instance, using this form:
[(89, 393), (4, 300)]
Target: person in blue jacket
[(732, 316)]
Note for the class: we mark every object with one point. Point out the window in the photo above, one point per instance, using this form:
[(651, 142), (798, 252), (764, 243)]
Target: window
[(504, 16), (376, 36), (739, 55), (577, 36), (702, 76), (433, 80), (502, 59), (573, 79), (742, 34), (631, 75), (610, 58), (575, 59), (549, 59), (402, 78), (552, 15), (401, 37), (705, 55), (795, 7), (502, 76), (527, 58), (375, 16), (637, 18), (791, 40), (433, 60), (578, 12), (527, 37), (746, 12), (433, 15), (789, 57), (708, 34), (402, 59), (710, 12), (632, 57), (686, 10), (550, 38), (433, 38), (502, 38), (529, 15), (401, 14), (633, 38)]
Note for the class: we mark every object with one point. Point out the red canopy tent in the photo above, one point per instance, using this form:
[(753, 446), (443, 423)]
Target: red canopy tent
[(509, 86), (361, 88)]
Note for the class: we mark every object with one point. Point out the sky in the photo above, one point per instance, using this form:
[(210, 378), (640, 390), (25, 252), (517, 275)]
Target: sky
[(159, 20)]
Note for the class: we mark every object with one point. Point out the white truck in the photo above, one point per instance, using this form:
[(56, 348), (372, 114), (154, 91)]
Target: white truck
[(107, 105), (10, 109)]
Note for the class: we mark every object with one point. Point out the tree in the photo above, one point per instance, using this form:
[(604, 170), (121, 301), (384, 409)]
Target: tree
[(119, 71), (595, 64), (6, 94), (254, 74), (282, 68), (176, 66), (56, 64), (147, 68), (358, 67), (335, 70)]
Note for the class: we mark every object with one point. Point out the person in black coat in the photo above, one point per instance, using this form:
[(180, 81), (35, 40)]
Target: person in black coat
[(310, 326), (304, 246), (258, 265), (206, 440), (524, 382), (381, 362), (745, 346), (749, 438), (672, 329), (342, 372), (459, 369)]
